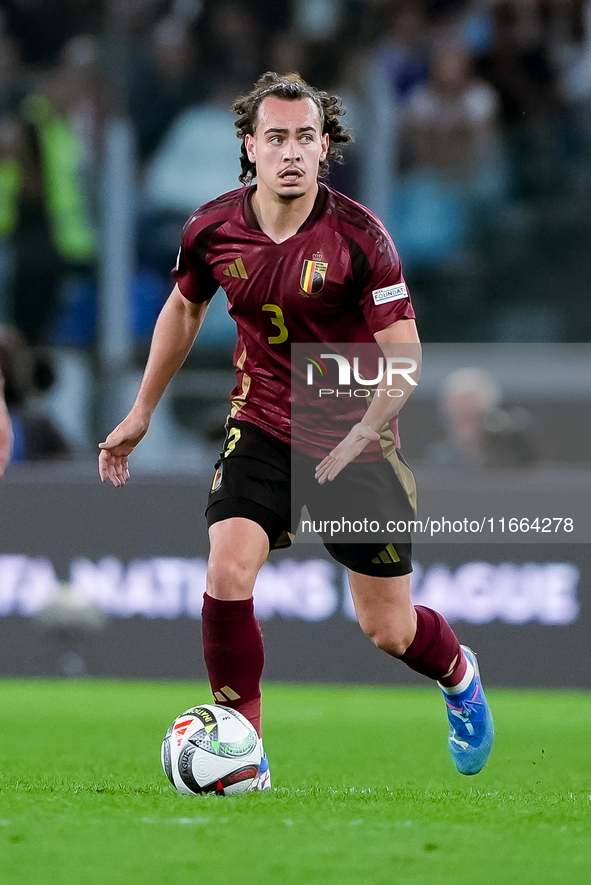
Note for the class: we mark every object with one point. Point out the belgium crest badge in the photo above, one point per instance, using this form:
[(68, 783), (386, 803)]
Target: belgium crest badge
[(313, 276)]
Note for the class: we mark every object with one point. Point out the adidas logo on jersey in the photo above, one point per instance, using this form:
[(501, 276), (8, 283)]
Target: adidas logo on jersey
[(236, 269)]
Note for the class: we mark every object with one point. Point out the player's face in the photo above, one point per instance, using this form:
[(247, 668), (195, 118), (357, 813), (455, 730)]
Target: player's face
[(287, 146)]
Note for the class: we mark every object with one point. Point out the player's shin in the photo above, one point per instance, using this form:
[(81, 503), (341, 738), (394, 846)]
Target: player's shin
[(234, 655), (435, 650)]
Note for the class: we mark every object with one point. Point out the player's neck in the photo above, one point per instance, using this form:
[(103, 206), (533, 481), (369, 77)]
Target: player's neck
[(279, 218)]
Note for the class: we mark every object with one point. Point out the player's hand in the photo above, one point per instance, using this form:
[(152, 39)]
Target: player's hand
[(115, 450), (6, 438), (346, 451)]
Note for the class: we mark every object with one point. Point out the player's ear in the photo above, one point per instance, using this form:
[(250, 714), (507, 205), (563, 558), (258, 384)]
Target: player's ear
[(325, 142), (249, 146)]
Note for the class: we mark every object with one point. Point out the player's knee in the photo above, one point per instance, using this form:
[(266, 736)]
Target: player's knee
[(229, 578), (394, 639)]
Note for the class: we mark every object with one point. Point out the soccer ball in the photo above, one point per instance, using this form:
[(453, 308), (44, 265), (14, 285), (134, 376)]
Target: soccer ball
[(211, 749)]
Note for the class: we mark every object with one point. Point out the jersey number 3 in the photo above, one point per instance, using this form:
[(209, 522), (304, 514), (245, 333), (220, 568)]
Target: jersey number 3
[(277, 321)]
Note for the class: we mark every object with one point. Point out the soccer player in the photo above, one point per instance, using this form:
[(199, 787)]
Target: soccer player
[(5, 430), (259, 243)]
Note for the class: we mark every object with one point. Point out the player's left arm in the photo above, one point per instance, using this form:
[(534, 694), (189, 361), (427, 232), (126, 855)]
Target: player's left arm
[(401, 346)]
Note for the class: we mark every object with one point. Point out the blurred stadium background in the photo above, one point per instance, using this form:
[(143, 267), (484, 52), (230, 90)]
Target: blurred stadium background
[(473, 144)]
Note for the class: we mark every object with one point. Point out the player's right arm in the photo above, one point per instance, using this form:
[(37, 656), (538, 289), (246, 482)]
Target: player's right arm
[(174, 334), (5, 430)]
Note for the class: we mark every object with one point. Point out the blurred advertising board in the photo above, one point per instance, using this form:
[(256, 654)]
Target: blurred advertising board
[(108, 582)]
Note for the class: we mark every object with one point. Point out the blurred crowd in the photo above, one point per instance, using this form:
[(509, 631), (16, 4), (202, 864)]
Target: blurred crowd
[(490, 110)]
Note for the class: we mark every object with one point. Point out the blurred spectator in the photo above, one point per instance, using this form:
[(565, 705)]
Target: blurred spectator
[(351, 86), (275, 16), (133, 19), (36, 438), (318, 29), (519, 67), (175, 65), (451, 159), (233, 40), (79, 93), (14, 77), (405, 51), (11, 173), (32, 254), (571, 54), (54, 152), (318, 58), (125, 29), (450, 124), (43, 26), (479, 432), (471, 25), (315, 18), (286, 53), (196, 160), (166, 82), (517, 63)]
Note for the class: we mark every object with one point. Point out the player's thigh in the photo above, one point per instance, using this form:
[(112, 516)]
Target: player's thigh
[(252, 480), (385, 610), (366, 503), (238, 549)]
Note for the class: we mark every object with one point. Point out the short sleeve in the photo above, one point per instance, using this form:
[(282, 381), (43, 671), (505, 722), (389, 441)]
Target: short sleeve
[(192, 273), (384, 296)]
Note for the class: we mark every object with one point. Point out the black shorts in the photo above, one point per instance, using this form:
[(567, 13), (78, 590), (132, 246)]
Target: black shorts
[(253, 479)]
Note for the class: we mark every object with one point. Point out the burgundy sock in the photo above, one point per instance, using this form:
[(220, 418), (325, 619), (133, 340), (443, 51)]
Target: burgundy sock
[(234, 655), (435, 651)]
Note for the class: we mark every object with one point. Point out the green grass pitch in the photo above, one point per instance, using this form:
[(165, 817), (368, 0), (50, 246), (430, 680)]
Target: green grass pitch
[(365, 793)]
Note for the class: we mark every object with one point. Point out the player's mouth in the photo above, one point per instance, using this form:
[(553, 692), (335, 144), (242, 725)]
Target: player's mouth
[(291, 176)]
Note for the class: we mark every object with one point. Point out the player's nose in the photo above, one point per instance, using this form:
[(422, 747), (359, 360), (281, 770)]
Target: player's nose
[(292, 149)]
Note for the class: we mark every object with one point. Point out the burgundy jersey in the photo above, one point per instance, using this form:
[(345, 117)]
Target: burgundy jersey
[(338, 279)]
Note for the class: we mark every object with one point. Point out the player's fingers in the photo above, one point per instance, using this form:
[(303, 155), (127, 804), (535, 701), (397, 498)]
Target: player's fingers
[(323, 470), (322, 466), (105, 465), (336, 471), (119, 469), (327, 460), (102, 467), (122, 471), (111, 474), (109, 469), (106, 468)]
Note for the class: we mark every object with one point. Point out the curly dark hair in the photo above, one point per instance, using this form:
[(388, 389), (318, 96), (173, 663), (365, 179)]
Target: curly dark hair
[(290, 87)]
